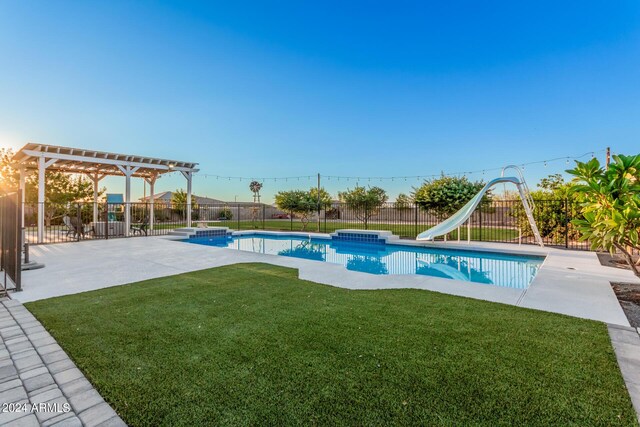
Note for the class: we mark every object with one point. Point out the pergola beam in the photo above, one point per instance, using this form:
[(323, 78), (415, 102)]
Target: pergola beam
[(107, 161)]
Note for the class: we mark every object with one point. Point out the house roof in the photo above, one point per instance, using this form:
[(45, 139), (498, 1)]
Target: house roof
[(201, 200), (80, 160)]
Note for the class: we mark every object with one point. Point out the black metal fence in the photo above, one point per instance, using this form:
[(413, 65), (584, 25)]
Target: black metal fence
[(502, 221), (11, 240)]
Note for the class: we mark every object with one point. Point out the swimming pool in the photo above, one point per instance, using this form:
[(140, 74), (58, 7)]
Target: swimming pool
[(489, 268)]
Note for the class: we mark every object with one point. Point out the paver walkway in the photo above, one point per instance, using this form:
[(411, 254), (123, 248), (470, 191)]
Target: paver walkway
[(39, 384), (626, 343)]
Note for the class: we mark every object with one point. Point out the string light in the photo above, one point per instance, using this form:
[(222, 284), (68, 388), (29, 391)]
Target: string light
[(393, 178)]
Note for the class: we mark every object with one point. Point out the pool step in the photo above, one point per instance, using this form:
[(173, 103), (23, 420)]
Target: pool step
[(364, 236), (190, 232)]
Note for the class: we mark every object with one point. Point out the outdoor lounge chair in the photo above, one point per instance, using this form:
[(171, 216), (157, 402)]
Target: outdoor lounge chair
[(141, 228), (75, 227), (70, 229)]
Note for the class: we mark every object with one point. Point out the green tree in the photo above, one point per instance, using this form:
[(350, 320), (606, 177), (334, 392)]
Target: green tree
[(553, 182), (61, 189), (9, 176), (447, 194), (255, 188), (179, 202), (325, 197), (364, 202), (403, 201), (298, 202), (610, 205)]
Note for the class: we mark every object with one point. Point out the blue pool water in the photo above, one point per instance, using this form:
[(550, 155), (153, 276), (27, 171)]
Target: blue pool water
[(513, 271)]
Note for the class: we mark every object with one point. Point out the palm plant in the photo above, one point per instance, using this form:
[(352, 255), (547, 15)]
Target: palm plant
[(255, 187)]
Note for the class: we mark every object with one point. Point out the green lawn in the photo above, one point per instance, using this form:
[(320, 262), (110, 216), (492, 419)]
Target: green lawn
[(250, 344)]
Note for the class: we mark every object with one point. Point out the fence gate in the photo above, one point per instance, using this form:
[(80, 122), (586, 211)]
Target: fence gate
[(11, 240)]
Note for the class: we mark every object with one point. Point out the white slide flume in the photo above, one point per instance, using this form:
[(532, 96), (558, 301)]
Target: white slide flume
[(459, 218)]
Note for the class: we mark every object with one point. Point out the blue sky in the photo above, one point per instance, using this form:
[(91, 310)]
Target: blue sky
[(295, 88)]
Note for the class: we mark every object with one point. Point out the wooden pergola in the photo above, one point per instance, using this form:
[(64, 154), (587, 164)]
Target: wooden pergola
[(96, 165)]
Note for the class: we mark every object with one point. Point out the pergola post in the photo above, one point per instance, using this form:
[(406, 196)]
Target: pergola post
[(43, 164), (188, 175), (96, 177), (127, 171), (152, 214)]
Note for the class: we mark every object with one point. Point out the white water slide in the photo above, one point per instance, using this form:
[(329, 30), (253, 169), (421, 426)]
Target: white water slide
[(459, 218)]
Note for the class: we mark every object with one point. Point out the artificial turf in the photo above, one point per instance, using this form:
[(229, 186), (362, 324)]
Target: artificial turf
[(251, 344)]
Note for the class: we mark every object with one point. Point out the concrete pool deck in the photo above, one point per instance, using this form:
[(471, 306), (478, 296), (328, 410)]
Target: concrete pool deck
[(569, 282)]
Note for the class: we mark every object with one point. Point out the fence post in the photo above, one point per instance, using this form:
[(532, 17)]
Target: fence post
[(264, 213), (566, 223), (325, 219), (238, 215), (106, 221), (415, 219), (480, 225), (366, 215), (79, 226)]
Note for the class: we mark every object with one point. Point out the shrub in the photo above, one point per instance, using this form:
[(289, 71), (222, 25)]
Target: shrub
[(610, 205), (225, 214)]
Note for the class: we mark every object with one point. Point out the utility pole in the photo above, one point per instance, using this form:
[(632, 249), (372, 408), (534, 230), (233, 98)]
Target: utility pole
[(318, 202), (608, 160)]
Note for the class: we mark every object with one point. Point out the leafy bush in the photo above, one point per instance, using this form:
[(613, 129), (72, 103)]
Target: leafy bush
[(554, 207), (225, 214), (610, 206)]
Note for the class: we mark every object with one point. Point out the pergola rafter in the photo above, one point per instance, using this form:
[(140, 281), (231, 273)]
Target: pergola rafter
[(97, 165)]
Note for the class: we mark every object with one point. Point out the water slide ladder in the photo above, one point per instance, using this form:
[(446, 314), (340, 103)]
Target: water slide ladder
[(460, 217)]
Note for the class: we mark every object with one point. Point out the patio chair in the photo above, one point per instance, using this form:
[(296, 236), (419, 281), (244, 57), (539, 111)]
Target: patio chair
[(76, 227), (70, 228), (141, 228)]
